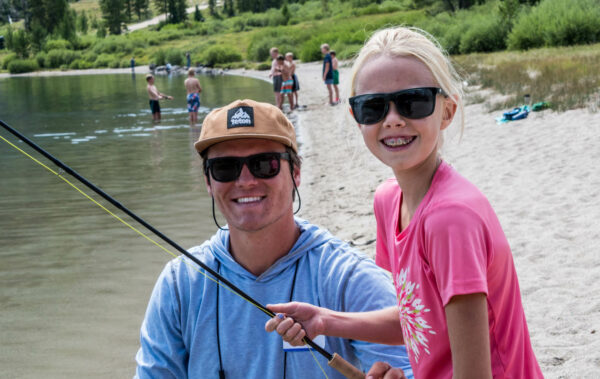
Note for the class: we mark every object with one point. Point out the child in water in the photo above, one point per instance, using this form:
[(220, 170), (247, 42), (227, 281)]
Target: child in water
[(459, 305)]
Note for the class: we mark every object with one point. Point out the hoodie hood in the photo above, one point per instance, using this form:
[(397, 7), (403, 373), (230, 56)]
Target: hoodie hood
[(218, 245)]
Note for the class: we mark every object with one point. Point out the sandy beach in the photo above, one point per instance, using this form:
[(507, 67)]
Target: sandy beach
[(538, 173)]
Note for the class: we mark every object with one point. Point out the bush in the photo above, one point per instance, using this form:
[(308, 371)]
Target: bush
[(557, 23), (18, 66), (263, 66), (103, 60), (175, 56), (60, 57), (41, 58), (220, 54), (485, 34), (58, 44), (80, 64), (7, 59), (310, 51)]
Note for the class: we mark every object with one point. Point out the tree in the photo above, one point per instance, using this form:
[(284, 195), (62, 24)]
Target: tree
[(140, 7), (212, 7), (83, 24), (198, 15), (113, 15), (67, 26)]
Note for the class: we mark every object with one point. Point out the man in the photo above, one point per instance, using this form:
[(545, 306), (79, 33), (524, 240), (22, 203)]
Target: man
[(193, 88), (327, 71), (155, 96), (275, 74), (195, 328)]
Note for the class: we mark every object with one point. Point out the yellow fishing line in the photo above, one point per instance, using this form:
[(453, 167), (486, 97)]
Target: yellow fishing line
[(189, 264)]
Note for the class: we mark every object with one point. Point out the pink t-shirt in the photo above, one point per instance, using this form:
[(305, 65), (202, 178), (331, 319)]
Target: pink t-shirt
[(454, 245)]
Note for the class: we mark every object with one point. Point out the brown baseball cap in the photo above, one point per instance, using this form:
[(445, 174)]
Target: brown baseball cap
[(246, 119)]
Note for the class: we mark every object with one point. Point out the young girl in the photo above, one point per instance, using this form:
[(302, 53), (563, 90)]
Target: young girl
[(458, 295)]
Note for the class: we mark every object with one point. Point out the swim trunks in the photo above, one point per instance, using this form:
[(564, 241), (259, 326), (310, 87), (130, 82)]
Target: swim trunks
[(296, 86), (193, 102), (277, 83), (287, 86), (154, 106), (328, 81), (336, 77)]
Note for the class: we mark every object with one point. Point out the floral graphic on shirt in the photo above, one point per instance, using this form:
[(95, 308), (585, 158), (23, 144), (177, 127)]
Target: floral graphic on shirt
[(412, 311)]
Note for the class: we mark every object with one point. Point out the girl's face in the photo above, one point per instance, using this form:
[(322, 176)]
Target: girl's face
[(403, 144)]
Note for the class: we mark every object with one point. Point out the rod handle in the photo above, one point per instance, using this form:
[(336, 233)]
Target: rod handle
[(345, 368)]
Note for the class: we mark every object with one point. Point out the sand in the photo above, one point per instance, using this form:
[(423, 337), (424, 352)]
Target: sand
[(540, 176)]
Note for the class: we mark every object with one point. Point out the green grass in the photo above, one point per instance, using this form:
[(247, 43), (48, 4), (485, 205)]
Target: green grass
[(567, 77)]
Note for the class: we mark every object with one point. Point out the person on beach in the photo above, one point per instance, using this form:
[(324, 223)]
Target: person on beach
[(188, 60), (155, 96), (327, 71), (289, 57), (195, 328), (336, 76), (287, 83), (275, 74), (193, 88), (459, 309)]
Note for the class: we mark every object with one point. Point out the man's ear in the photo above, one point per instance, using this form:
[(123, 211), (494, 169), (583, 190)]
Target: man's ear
[(207, 182), (297, 175)]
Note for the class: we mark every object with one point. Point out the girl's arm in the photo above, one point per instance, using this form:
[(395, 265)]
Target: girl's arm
[(303, 319), (468, 329)]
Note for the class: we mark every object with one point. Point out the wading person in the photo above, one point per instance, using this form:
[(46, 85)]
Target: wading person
[(155, 96), (193, 88), (198, 329), (459, 306)]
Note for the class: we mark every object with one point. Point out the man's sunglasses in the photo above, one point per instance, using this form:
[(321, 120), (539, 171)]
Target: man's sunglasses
[(228, 169), (413, 103)]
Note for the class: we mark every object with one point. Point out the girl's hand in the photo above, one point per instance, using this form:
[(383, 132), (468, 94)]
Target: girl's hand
[(296, 320), (383, 370)]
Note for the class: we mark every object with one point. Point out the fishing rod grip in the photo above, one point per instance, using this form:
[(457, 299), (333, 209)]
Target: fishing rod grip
[(345, 368)]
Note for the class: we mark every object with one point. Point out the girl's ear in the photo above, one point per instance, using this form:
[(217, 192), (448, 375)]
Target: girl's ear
[(448, 111)]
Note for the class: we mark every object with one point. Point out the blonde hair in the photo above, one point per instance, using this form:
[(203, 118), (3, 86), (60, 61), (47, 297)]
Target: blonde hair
[(273, 50), (412, 42), (290, 54), (325, 46), (191, 71)]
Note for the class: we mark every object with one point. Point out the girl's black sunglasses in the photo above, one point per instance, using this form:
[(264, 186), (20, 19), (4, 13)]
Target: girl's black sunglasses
[(413, 103), (228, 169)]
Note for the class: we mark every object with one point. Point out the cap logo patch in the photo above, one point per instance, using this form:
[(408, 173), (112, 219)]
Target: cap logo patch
[(240, 116)]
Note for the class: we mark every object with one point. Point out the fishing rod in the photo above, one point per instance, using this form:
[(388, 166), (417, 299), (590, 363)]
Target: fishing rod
[(333, 360)]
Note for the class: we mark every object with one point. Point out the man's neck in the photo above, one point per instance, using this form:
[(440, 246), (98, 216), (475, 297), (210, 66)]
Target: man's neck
[(258, 250)]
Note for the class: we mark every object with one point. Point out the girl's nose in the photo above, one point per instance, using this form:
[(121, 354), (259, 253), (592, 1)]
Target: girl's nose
[(393, 118)]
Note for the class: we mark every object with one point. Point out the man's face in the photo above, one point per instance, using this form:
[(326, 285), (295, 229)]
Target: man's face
[(249, 203)]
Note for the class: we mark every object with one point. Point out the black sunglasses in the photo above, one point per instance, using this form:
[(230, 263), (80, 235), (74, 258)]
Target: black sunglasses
[(413, 103), (228, 169)]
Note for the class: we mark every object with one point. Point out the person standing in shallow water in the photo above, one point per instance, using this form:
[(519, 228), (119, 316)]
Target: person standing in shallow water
[(155, 96), (194, 328), (193, 88)]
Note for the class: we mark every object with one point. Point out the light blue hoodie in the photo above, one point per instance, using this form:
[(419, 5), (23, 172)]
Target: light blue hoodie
[(179, 332)]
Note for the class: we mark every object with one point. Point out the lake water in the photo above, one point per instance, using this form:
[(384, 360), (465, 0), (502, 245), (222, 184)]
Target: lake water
[(74, 282)]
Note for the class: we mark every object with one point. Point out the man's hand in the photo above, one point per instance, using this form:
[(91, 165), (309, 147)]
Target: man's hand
[(383, 370), (296, 320)]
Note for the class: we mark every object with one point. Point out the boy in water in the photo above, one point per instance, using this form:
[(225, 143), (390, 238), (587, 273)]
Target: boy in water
[(154, 97), (336, 76), (193, 88)]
